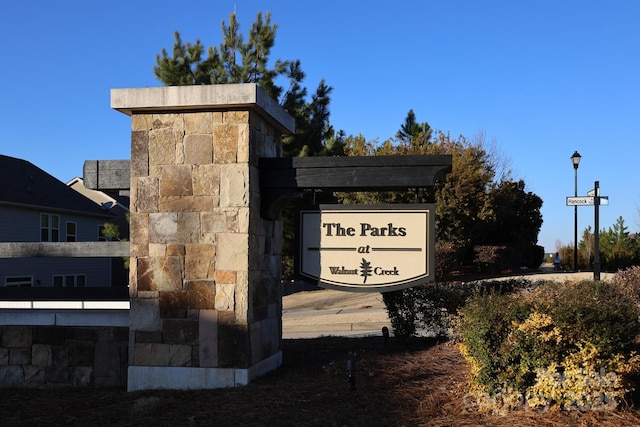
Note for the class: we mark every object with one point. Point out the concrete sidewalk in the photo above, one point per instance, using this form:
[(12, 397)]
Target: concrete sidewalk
[(334, 322)]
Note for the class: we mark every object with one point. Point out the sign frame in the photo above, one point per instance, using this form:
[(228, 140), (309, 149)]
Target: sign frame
[(367, 248)]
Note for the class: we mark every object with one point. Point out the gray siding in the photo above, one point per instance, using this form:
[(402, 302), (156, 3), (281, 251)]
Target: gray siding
[(23, 225), (19, 225), (96, 270)]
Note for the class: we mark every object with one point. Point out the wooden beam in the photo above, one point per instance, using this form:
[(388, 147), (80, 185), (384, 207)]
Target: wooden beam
[(283, 178), (66, 249), (364, 173), (107, 175)]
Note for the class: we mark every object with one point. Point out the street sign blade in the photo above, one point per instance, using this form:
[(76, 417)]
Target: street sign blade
[(587, 201), (580, 201)]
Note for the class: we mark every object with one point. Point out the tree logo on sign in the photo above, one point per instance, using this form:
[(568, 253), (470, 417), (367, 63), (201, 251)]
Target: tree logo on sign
[(365, 269)]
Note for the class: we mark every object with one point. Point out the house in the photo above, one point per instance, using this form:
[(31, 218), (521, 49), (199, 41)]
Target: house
[(36, 207), (116, 204)]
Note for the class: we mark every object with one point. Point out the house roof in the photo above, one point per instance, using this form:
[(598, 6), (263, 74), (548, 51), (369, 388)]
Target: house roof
[(22, 183), (105, 200)]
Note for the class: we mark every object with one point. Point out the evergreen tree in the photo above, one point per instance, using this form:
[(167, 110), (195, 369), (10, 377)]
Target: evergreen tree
[(233, 61), (237, 61), (185, 67), (617, 248), (411, 130), (313, 130)]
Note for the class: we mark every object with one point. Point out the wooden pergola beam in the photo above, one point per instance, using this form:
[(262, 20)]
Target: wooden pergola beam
[(285, 177), (364, 173)]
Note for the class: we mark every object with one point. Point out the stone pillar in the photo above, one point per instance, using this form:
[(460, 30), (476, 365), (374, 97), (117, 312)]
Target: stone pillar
[(205, 266)]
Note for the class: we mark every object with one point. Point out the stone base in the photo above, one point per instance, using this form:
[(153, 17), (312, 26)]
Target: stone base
[(184, 378), (42, 354)]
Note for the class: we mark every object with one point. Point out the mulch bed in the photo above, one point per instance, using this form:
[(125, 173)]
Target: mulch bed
[(420, 383)]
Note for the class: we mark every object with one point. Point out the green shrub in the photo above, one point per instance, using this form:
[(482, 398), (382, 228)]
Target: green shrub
[(566, 344), (447, 257), (490, 259), (434, 306), (484, 330), (629, 280), (591, 311), (428, 306), (494, 259)]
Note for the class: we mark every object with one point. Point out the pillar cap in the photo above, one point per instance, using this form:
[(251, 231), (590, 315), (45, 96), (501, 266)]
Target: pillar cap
[(202, 98)]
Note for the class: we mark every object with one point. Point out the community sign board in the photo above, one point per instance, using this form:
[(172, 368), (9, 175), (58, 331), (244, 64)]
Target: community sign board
[(361, 248)]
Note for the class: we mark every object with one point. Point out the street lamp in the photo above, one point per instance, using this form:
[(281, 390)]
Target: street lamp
[(575, 160)]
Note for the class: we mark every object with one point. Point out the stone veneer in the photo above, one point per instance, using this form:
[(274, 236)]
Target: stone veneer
[(205, 267), (56, 356)]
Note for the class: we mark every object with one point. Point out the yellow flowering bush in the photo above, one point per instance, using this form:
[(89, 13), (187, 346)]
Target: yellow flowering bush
[(541, 326), (583, 381), (562, 346)]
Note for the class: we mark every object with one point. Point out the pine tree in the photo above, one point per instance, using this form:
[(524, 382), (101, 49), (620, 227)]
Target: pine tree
[(313, 130), (617, 249), (412, 134), (237, 61)]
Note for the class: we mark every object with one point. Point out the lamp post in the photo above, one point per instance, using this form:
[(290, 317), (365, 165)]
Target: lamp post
[(575, 160)]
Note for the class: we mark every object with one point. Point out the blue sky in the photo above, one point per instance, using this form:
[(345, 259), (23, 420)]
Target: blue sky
[(540, 79)]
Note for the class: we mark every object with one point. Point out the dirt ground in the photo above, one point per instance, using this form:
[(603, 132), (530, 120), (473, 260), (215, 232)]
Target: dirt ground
[(420, 383)]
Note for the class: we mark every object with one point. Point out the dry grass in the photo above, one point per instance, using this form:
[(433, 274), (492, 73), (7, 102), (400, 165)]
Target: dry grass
[(419, 384)]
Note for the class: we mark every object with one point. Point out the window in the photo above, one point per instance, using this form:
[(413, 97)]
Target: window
[(71, 231), (102, 237), (18, 281), (69, 281), (49, 228)]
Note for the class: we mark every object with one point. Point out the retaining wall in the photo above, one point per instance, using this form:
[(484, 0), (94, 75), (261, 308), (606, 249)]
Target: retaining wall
[(45, 348)]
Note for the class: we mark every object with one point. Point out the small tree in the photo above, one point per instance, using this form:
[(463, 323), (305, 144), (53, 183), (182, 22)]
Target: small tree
[(586, 247), (112, 232), (617, 249)]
